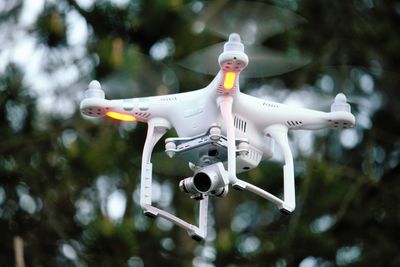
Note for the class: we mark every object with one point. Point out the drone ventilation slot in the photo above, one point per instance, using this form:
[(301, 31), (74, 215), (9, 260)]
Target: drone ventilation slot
[(254, 156), (168, 99), (294, 123), (270, 105), (240, 124), (220, 90), (93, 111), (143, 115), (340, 124)]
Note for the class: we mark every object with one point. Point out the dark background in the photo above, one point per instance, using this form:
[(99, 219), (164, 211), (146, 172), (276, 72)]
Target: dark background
[(63, 177)]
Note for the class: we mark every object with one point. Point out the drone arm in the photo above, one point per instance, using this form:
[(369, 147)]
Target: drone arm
[(157, 127)]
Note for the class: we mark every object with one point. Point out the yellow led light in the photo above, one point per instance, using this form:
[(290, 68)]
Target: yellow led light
[(120, 116), (229, 80)]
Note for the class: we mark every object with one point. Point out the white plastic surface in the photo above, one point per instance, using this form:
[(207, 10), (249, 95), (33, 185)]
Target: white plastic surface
[(237, 115)]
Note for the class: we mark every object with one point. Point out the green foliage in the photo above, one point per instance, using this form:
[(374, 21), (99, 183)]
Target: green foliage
[(51, 27), (59, 172)]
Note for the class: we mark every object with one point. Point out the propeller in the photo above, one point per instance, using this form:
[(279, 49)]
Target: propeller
[(139, 76), (254, 22), (263, 62), (357, 83), (136, 75)]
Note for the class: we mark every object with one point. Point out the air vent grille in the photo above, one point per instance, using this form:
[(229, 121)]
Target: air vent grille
[(294, 123), (169, 98), (270, 105), (240, 124), (221, 90), (93, 111), (254, 156), (143, 115)]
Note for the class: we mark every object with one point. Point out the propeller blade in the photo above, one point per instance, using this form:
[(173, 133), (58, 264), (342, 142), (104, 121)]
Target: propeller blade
[(356, 82), (263, 62), (205, 60), (254, 21), (140, 76)]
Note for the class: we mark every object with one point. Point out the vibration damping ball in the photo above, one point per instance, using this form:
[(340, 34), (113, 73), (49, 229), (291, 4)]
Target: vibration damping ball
[(243, 148), (170, 149), (215, 133)]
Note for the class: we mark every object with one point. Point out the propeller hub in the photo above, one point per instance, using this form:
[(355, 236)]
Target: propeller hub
[(234, 37), (234, 44), (94, 90), (340, 104)]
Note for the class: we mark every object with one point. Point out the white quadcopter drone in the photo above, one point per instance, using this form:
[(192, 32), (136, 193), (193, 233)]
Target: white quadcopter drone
[(221, 132)]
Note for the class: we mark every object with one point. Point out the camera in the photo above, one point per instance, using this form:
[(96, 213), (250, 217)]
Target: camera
[(211, 180)]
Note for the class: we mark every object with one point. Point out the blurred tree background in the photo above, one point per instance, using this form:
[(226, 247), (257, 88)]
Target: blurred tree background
[(69, 185)]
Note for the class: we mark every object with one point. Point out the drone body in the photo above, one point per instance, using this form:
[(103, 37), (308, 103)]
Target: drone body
[(221, 132)]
